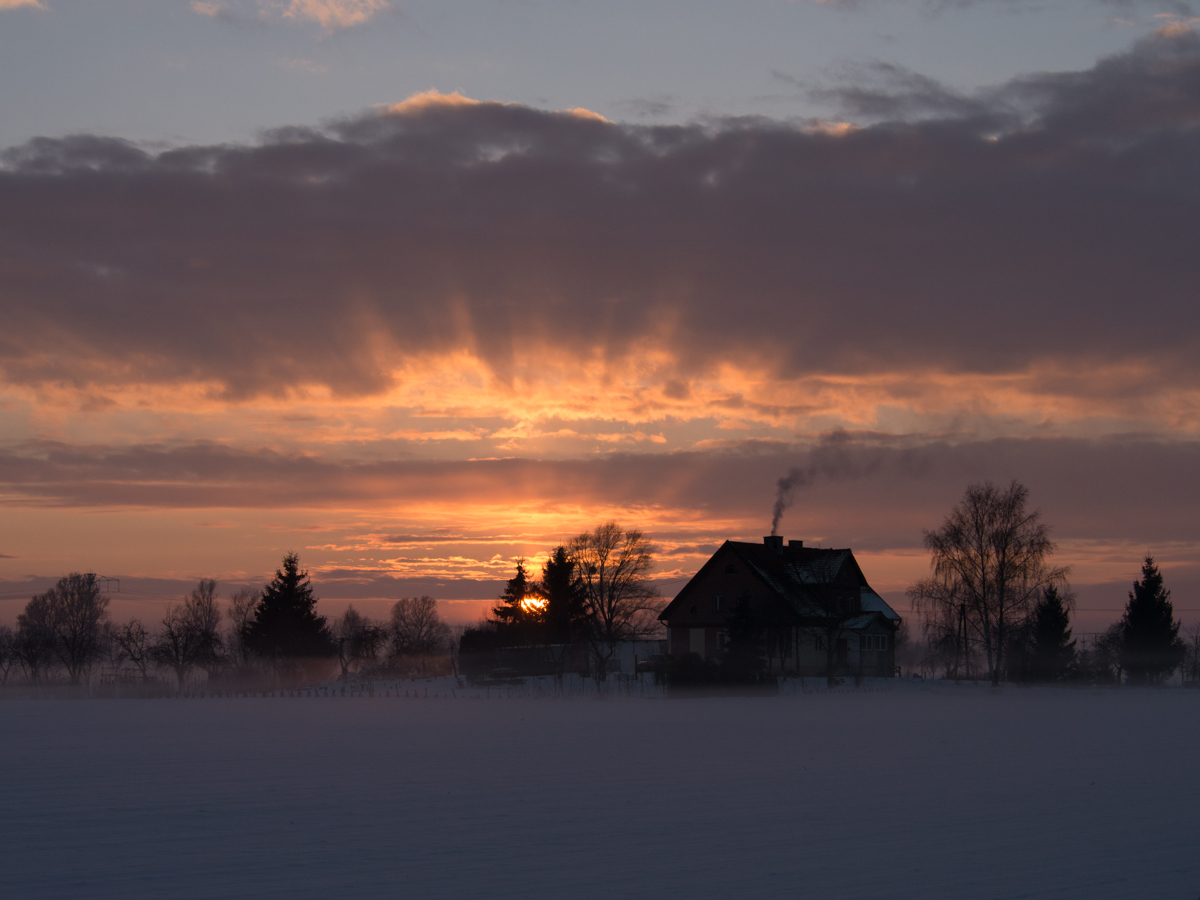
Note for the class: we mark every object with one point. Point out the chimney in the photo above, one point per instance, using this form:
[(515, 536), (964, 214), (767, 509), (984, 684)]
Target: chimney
[(774, 542), (796, 545)]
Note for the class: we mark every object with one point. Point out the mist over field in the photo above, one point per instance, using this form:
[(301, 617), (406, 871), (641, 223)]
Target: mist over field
[(897, 790)]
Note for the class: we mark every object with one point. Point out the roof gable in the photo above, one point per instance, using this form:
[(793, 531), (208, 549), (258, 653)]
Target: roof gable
[(799, 576)]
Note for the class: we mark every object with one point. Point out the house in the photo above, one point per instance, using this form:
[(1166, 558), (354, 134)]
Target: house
[(814, 605)]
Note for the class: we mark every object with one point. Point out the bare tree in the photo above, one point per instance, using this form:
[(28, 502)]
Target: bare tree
[(206, 619), (358, 639), (190, 636), (618, 600), (133, 643), (34, 641), (73, 614), (8, 652), (1191, 659), (989, 565), (416, 629), (241, 613)]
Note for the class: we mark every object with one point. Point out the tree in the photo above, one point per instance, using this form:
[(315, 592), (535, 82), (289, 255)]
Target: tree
[(1051, 650), (34, 641), (285, 622), (8, 652), (561, 588), (71, 617), (190, 635), (989, 562), (358, 639), (240, 614), (618, 600), (133, 643), (416, 629), (520, 611), (1150, 646), (1191, 660)]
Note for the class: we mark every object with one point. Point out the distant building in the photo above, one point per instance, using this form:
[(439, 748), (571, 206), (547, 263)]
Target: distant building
[(807, 599)]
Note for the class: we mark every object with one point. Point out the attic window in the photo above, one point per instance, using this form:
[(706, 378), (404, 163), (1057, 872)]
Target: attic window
[(717, 602), (731, 569)]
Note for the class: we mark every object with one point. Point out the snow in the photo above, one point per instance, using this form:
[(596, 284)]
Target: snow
[(903, 790)]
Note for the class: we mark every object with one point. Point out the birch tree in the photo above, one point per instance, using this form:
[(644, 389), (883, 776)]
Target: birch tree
[(989, 565)]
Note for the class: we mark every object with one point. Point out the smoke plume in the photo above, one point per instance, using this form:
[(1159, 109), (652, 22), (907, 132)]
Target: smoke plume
[(840, 457)]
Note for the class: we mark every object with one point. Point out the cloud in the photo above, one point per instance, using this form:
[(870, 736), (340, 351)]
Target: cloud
[(868, 490), (331, 15), (15, 4), (1038, 234)]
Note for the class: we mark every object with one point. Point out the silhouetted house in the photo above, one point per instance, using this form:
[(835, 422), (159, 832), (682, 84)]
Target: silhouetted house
[(806, 599)]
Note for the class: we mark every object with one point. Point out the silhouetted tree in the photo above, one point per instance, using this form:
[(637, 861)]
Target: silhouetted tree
[(744, 657), (70, 617), (358, 639), (1150, 646), (1051, 650), (285, 623), (133, 643), (8, 652), (416, 629), (1191, 659), (560, 586), (618, 600), (989, 562), (520, 611), (190, 635), (240, 614), (34, 641)]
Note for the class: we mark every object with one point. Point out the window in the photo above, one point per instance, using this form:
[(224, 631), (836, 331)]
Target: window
[(731, 569), (874, 641), (819, 642), (717, 602), (721, 640)]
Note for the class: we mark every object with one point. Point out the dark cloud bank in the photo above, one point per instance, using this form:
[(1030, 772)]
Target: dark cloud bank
[(1054, 218), (865, 492)]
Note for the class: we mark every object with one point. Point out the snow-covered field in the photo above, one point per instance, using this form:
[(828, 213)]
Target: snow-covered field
[(911, 791)]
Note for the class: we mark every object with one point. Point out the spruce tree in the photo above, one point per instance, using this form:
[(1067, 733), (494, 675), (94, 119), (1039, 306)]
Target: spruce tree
[(1051, 650), (564, 602), (519, 621), (285, 622), (1150, 646)]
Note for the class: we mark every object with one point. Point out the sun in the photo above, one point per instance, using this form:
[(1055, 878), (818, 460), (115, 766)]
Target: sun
[(533, 604)]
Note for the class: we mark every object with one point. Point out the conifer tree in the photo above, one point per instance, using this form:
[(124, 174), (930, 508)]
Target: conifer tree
[(564, 601), (285, 622), (1052, 651), (1150, 646), (512, 609)]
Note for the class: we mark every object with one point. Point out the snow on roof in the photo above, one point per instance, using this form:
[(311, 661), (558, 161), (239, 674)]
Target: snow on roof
[(872, 602)]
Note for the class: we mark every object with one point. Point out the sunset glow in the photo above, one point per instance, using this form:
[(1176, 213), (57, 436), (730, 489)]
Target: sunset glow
[(418, 341)]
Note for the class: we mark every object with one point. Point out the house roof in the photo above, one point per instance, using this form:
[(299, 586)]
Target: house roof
[(872, 602), (794, 572)]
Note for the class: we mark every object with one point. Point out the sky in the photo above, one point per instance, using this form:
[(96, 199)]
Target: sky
[(414, 289)]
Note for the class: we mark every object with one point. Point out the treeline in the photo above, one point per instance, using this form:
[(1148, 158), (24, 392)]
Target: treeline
[(67, 632), (995, 607), (594, 594)]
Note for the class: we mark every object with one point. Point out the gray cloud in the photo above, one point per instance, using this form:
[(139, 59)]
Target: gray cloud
[(328, 255), (865, 492)]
